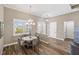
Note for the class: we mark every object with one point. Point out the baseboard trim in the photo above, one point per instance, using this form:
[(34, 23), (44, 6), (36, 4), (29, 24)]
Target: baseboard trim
[(44, 42), (10, 44), (60, 39)]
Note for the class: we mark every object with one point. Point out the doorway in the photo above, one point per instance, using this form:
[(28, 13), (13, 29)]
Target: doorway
[(69, 29), (52, 29)]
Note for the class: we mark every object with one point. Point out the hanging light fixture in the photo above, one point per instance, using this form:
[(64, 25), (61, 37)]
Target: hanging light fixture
[(30, 21)]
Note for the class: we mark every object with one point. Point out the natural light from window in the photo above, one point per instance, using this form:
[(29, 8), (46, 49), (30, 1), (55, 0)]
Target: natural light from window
[(20, 27), (41, 27)]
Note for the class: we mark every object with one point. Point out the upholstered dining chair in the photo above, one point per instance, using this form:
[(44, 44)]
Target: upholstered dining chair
[(36, 44), (20, 42)]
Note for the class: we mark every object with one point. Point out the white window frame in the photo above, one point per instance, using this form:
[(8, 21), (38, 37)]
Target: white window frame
[(14, 29), (42, 28)]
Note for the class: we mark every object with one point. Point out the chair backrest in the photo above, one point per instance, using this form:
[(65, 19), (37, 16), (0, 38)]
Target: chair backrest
[(24, 35), (19, 41), (36, 42)]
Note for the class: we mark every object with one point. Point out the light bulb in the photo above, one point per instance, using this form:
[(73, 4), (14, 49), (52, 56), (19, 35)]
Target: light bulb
[(30, 20), (33, 23)]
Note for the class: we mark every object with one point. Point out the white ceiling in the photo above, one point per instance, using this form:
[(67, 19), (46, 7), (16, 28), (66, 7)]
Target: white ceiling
[(43, 10)]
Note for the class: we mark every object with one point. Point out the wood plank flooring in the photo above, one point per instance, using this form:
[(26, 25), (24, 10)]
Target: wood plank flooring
[(54, 49)]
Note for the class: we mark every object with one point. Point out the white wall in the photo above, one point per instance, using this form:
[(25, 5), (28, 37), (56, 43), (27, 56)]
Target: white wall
[(1, 13), (1, 19)]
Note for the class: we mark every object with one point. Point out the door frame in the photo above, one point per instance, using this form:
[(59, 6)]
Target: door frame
[(49, 29), (65, 31)]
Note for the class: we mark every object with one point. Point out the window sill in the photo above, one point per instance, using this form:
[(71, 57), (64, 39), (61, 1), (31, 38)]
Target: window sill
[(19, 34)]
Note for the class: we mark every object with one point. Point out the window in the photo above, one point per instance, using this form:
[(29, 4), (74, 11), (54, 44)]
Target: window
[(52, 29), (41, 27), (20, 27)]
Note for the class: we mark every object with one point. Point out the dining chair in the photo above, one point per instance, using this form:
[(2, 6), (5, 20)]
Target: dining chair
[(36, 44), (28, 44), (20, 42)]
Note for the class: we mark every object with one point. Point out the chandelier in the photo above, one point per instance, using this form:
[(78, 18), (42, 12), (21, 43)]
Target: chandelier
[(30, 20)]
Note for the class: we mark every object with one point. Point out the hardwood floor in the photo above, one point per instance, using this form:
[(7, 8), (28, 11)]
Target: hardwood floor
[(44, 49)]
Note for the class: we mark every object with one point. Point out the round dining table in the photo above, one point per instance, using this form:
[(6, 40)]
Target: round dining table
[(29, 38), (29, 41)]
